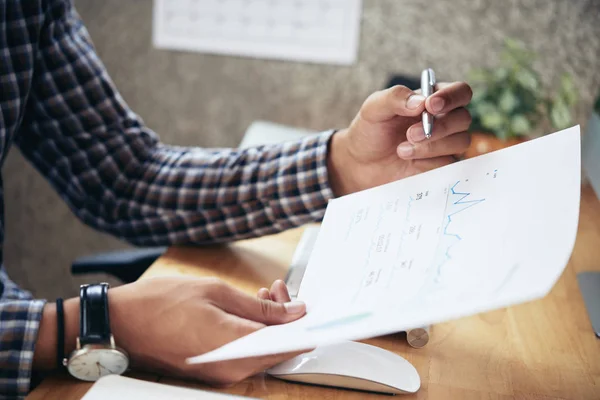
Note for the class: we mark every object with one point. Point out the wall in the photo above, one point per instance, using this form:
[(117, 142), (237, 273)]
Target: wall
[(209, 100)]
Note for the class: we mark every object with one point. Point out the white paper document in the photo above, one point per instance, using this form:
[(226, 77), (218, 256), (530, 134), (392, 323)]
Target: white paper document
[(475, 236), (324, 31), (115, 387)]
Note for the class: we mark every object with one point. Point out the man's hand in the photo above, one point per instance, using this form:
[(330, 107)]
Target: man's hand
[(386, 141), (160, 322)]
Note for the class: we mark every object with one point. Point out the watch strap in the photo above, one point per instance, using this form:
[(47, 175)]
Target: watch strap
[(94, 324)]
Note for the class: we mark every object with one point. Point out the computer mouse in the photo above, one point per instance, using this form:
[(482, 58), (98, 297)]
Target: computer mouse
[(351, 365)]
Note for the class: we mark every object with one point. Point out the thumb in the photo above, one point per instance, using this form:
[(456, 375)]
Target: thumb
[(260, 310), (395, 101)]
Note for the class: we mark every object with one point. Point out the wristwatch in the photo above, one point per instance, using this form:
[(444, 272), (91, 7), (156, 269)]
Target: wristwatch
[(96, 354)]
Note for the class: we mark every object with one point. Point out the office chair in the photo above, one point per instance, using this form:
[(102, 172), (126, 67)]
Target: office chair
[(411, 82), (126, 265)]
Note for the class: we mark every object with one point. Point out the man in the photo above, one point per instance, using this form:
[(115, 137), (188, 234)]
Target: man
[(61, 109)]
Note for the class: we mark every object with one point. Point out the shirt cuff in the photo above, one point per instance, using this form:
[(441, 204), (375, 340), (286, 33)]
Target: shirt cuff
[(19, 325), (301, 188)]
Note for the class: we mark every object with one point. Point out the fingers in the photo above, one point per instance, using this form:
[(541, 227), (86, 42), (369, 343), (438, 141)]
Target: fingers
[(257, 309), (457, 120), (453, 144), (448, 97), (264, 294), (401, 101), (279, 292), (452, 120), (395, 101)]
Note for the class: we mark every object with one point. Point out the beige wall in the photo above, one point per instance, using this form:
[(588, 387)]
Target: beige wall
[(208, 100)]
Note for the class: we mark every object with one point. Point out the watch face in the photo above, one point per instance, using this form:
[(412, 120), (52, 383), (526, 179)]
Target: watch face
[(91, 364)]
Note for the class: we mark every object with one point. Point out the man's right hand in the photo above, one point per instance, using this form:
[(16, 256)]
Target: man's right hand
[(162, 321)]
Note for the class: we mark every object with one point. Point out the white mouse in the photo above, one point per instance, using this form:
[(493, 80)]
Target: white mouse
[(351, 365)]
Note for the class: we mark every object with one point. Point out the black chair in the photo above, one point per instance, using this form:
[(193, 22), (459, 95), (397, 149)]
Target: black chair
[(126, 265)]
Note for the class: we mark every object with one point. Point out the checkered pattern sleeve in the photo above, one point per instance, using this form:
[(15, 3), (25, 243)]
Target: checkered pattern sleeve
[(117, 176), (19, 321)]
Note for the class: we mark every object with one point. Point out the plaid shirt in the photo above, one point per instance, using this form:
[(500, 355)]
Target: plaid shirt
[(60, 107)]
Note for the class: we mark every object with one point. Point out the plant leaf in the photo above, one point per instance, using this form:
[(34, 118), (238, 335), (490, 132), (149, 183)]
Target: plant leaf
[(508, 101), (478, 94), (479, 75), (568, 90), (520, 125), (514, 45), (516, 54), (502, 134), (500, 74), (492, 120), (483, 108), (560, 116), (528, 79)]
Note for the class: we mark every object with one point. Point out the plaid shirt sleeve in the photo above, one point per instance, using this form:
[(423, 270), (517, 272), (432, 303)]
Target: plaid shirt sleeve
[(116, 175), (19, 321)]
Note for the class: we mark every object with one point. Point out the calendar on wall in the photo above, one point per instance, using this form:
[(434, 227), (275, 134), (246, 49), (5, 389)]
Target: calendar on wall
[(321, 31)]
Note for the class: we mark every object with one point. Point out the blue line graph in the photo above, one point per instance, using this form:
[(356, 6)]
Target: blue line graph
[(457, 202)]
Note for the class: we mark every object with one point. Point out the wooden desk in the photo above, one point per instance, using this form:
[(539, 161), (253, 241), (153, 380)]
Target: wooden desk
[(540, 350)]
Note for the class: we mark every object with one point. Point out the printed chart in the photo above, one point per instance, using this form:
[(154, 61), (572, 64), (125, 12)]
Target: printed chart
[(413, 240)]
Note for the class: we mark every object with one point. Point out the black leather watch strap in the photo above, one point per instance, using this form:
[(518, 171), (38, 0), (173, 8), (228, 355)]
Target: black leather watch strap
[(94, 323)]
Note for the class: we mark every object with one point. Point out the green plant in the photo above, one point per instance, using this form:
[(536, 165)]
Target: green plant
[(597, 106), (509, 101)]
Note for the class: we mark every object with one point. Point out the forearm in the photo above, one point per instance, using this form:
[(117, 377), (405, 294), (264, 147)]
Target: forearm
[(168, 195), (44, 357), (200, 196)]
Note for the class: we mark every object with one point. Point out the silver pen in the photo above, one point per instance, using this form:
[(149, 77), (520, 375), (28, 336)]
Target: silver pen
[(427, 87)]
